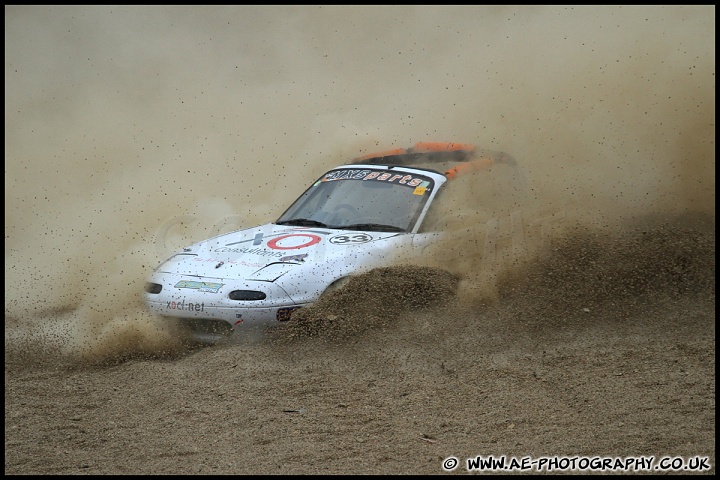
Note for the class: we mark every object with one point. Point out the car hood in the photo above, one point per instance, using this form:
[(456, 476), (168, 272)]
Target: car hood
[(267, 252)]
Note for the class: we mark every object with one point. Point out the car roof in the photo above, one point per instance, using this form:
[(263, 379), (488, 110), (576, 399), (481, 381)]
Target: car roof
[(446, 158)]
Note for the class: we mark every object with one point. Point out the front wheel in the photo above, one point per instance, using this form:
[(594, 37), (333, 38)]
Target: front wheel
[(335, 286)]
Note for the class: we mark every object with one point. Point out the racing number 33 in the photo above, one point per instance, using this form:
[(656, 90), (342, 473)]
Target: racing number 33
[(357, 238)]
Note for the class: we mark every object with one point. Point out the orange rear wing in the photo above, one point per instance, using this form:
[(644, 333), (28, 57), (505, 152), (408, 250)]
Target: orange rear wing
[(469, 158), (480, 163), (468, 167)]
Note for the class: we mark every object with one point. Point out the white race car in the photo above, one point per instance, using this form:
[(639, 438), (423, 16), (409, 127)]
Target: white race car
[(354, 218)]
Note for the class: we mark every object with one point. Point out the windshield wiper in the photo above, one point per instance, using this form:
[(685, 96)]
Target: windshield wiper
[(374, 227), (302, 222)]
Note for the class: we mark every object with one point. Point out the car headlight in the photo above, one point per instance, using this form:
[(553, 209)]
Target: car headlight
[(248, 295), (154, 288)]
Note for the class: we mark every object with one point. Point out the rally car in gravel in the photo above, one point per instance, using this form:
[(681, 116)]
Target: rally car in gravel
[(354, 218)]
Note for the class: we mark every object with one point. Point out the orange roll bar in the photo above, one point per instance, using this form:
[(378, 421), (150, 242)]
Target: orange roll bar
[(425, 147), (385, 153)]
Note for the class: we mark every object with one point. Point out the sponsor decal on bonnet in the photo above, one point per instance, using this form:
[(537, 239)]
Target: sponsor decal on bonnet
[(201, 286), (294, 258)]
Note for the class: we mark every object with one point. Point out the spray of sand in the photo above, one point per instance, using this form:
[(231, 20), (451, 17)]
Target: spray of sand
[(131, 131)]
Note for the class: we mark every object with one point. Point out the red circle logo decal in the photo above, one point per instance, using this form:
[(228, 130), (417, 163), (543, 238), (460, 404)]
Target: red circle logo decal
[(313, 240)]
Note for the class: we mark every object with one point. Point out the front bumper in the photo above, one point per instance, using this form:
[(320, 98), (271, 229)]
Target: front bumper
[(202, 298)]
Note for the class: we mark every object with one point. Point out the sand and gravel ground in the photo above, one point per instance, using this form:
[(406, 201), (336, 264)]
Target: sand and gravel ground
[(601, 348)]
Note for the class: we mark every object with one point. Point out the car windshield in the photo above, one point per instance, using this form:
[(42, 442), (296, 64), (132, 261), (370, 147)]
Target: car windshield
[(361, 199)]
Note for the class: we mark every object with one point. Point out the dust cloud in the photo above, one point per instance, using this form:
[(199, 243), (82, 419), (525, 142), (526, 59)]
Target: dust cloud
[(570, 309), (132, 131)]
